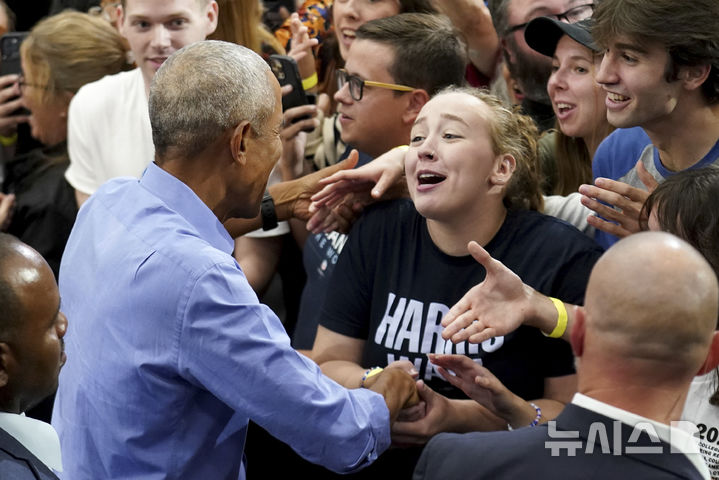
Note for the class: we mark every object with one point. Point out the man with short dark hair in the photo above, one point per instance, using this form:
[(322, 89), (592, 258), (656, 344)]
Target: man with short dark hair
[(171, 353), (32, 328), (661, 74), (400, 62), (635, 362)]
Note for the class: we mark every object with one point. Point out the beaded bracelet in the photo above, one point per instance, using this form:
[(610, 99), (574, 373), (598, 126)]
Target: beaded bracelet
[(371, 372), (535, 422)]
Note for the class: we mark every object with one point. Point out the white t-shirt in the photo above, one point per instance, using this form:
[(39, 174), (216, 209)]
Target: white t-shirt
[(705, 416), (109, 133)]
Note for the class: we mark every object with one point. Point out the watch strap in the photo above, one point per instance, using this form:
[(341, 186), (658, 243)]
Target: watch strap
[(267, 210)]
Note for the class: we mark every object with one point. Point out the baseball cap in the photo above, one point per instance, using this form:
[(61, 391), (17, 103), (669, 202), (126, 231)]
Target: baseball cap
[(542, 34)]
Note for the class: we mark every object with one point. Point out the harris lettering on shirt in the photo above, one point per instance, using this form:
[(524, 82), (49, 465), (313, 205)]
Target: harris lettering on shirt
[(412, 329)]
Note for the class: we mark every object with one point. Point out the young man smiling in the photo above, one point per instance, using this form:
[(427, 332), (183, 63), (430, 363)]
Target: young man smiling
[(661, 74), (109, 132)]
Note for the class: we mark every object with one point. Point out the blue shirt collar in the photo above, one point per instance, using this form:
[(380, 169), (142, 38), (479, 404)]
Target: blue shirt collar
[(181, 199)]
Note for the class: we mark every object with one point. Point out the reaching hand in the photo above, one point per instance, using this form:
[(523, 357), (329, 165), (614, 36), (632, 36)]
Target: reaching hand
[(398, 389), (348, 192), (418, 432), (376, 178), (477, 382), (294, 137), (337, 219), (624, 203), (497, 306), (302, 45), (298, 192)]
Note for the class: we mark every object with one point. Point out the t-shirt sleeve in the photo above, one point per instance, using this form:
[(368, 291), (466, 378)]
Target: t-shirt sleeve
[(619, 152), (82, 145), (348, 302), (237, 349)]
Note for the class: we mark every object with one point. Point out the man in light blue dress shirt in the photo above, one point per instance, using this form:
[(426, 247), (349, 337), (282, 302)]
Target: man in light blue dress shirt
[(170, 353)]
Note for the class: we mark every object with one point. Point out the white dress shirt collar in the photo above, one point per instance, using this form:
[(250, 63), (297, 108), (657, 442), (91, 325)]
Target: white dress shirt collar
[(38, 437), (679, 439)]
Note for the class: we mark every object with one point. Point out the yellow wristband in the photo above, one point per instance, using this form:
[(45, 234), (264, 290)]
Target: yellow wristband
[(561, 319), (8, 141), (403, 148), (310, 82), (370, 373)]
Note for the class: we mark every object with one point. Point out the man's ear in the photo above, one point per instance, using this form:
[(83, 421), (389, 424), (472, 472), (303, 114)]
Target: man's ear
[(712, 360), (692, 77), (417, 99), (212, 15), (579, 329), (504, 167), (508, 55), (238, 142), (121, 20), (6, 360)]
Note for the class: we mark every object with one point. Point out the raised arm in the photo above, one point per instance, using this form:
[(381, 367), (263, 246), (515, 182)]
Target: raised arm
[(291, 199), (382, 178), (473, 20), (500, 304), (482, 386), (492, 409)]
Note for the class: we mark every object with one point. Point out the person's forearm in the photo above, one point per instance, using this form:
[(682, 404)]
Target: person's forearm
[(346, 373), (283, 196), (469, 416), (524, 414), (550, 408), (545, 317), (473, 19)]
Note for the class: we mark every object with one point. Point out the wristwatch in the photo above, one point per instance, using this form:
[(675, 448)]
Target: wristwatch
[(267, 210)]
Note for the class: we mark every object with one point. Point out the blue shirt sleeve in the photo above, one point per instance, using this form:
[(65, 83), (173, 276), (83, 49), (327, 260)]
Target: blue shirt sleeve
[(238, 350), (619, 152)]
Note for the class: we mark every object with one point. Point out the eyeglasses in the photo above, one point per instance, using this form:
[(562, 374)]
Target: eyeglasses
[(23, 84), (357, 84), (574, 14)]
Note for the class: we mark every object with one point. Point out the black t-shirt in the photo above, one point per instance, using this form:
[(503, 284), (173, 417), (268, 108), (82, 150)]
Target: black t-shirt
[(392, 285)]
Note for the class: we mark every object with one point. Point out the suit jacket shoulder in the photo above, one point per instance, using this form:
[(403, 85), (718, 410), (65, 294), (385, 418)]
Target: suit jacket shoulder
[(543, 454), (17, 463)]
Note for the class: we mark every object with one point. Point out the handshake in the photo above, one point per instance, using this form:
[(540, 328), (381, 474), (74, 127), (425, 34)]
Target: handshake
[(397, 387)]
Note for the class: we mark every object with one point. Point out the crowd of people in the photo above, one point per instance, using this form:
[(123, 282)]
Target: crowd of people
[(484, 248)]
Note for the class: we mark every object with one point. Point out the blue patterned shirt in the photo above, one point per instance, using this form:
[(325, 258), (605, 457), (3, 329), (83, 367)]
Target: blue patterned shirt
[(170, 353)]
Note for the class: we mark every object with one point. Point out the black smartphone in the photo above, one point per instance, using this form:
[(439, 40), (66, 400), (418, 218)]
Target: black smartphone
[(10, 60), (10, 50), (287, 73)]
